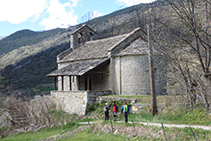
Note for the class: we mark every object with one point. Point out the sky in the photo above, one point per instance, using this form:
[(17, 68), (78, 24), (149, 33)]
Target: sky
[(39, 15)]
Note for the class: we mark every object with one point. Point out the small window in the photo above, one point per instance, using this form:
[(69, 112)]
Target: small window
[(79, 40)]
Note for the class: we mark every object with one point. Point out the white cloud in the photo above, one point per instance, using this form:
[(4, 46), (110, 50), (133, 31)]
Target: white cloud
[(134, 2), (60, 15), (56, 14), (18, 11)]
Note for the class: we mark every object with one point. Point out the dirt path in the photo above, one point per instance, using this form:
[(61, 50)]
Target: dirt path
[(176, 125), (159, 124)]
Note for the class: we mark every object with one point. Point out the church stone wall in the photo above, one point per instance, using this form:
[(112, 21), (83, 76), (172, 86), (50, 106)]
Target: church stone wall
[(131, 75)]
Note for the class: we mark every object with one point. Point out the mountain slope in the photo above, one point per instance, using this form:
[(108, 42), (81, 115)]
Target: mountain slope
[(23, 38), (32, 70)]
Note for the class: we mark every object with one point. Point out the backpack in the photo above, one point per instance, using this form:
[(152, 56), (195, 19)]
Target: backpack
[(125, 108), (105, 109), (117, 108)]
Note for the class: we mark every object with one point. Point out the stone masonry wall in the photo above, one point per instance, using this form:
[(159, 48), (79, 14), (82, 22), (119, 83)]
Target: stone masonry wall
[(73, 102), (93, 95), (131, 75)]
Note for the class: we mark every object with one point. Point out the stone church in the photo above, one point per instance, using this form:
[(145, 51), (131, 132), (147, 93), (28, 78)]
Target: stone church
[(94, 67)]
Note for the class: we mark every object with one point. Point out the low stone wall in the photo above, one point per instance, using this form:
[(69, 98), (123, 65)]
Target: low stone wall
[(108, 99), (73, 102), (93, 95)]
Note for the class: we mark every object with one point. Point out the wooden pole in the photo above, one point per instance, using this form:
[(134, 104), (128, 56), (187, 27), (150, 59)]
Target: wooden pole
[(88, 85), (152, 81), (78, 82), (62, 83), (55, 79), (70, 82)]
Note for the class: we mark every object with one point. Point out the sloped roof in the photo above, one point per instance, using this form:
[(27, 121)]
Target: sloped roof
[(93, 49), (83, 26), (78, 67), (138, 47)]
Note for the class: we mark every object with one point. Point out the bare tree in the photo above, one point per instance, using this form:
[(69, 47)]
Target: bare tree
[(183, 35), (185, 41), (196, 33), (87, 17)]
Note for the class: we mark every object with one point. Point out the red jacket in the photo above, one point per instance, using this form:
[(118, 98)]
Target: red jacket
[(114, 108)]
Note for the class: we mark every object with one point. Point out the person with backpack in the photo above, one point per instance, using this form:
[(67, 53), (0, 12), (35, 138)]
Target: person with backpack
[(106, 110), (125, 109), (115, 110)]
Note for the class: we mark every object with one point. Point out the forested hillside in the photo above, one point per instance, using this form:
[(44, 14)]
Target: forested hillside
[(23, 38)]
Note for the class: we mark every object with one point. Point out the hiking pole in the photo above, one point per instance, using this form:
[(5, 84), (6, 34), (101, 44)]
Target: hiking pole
[(193, 133), (164, 131), (133, 124), (90, 126)]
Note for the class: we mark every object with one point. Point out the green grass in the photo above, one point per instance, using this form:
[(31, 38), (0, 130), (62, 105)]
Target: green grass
[(31, 136), (161, 99), (42, 134), (185, 134), (96, 136), (179, 116)]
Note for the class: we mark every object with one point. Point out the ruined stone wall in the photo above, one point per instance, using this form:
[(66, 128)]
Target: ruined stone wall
[(131, 75), (73, 102)]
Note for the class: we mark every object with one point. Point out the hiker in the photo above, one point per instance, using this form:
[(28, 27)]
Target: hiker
[(106, 110), (115, 110), (125, 109)]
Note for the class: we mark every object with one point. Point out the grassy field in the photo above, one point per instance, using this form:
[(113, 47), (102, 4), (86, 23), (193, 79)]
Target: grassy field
[(31, 136), (102, 132), (170, 114)]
